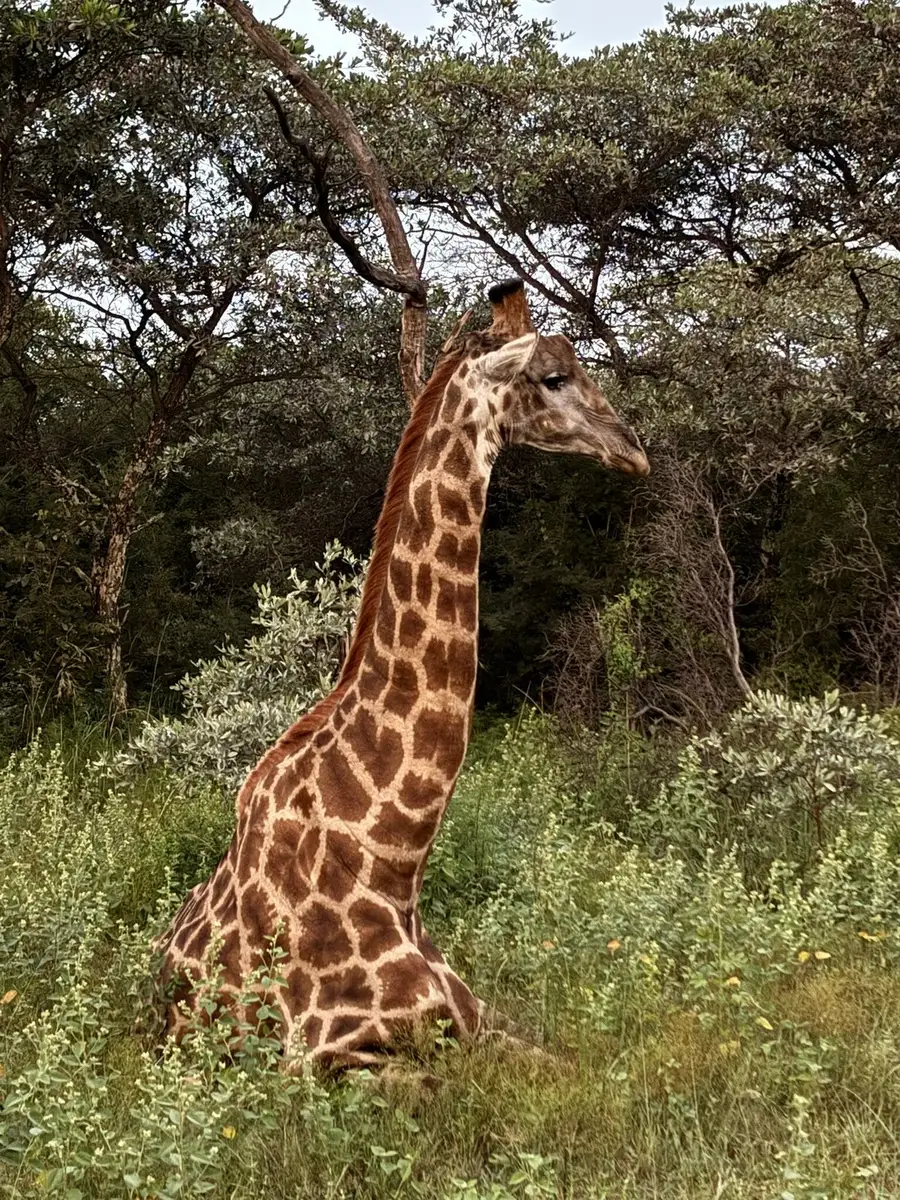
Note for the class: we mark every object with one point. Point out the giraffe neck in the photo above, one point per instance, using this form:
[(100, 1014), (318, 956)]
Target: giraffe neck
[(404, 722)]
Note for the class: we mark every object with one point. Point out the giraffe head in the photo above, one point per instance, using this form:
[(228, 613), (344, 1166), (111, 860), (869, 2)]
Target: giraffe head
[(541, 396)]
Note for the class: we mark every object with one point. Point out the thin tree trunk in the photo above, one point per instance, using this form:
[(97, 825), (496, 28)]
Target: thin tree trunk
[(6, 289), (108, 570), (730, 636)]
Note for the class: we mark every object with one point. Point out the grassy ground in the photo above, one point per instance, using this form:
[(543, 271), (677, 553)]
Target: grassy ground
[(707, 949)]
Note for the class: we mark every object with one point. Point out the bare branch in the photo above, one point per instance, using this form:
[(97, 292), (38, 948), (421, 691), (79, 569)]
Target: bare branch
[(363, 266), (413, 325), (729, 631)]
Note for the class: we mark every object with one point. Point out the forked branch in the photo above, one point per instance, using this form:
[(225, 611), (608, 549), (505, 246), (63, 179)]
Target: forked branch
[(406, 277)]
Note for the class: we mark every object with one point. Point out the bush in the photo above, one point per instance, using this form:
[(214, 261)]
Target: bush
[(237, 705), (709, 1013), (780, 782)]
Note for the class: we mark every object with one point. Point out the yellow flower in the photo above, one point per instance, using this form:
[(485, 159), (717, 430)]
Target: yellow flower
[(764, 1024), (872, 937), (9, 996), (229, 1131), (803, 956), (733, 981), (548, 945), (613, 945), (821, 955)]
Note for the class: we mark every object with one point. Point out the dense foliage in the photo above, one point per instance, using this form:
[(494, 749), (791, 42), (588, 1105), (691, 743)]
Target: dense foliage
[(684, 884), (707, 1018), (196, 394)]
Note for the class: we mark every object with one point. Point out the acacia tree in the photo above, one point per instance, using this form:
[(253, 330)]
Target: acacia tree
[(163, 215), (715, 221)]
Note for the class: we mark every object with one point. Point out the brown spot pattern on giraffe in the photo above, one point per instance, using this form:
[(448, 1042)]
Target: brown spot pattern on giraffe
[(423, 584), (387, 621), (282, 867), (450, 666), (370, 684), (312, 1031), (299, 989), (307, 851), (453, 505), (394, 881), (396, 828), (377, 928), (220, 883), (402, 580), (467, 561), (343, 794), (338, 874), (399, 701), (440, 740), (257, 916), (227, 911), (417, 791), (379, 750), (405, 981), (458, 462), (251, 848), (456, 603), (447, 549), (288, 787), (230, 958), (345, 1024), (434, 448), (323, 940), (411, 629), (348, 987), (452, 398)]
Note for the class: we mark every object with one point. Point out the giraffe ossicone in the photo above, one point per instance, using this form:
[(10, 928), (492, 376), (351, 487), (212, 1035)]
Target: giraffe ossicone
[(336, 821)]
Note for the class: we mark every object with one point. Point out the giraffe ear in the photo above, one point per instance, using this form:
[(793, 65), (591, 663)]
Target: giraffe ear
[(503, 365)]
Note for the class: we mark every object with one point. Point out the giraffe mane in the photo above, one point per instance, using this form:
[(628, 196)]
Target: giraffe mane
[(396, 494), (395, 497)]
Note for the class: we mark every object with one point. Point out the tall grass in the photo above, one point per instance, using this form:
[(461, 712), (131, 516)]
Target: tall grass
[(712, 971)]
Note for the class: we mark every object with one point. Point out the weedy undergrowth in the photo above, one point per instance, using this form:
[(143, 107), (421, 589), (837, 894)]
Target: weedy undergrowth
[(712, 974)]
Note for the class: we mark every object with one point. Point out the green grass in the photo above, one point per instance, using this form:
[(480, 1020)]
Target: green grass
[(712, 1021)]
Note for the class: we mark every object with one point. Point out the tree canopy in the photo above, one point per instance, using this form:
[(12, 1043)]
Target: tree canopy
[(198, 391)]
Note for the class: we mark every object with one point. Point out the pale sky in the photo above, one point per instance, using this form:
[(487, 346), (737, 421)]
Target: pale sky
[(591, 22)]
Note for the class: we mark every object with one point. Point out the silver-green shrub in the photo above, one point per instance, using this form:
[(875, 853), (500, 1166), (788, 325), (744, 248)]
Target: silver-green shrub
[(539, 898), (236, 705), (779, 782)]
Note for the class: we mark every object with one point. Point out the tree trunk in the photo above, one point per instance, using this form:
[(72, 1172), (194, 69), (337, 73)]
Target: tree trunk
[(6, 288), (108, 570)]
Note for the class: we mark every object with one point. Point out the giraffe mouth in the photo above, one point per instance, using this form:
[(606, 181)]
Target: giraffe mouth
[(635, 463)]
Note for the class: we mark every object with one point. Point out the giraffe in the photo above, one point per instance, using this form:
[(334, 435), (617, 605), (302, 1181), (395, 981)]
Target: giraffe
[(336, 821)]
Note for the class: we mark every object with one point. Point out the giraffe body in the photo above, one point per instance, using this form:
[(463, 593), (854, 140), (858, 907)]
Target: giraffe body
[(336, 821)]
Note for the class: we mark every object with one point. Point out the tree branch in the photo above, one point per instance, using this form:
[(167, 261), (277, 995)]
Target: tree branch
[(413, 326), (364, 267)]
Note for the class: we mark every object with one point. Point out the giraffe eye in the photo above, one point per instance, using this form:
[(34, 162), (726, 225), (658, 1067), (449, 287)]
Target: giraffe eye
[(555, 382)]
